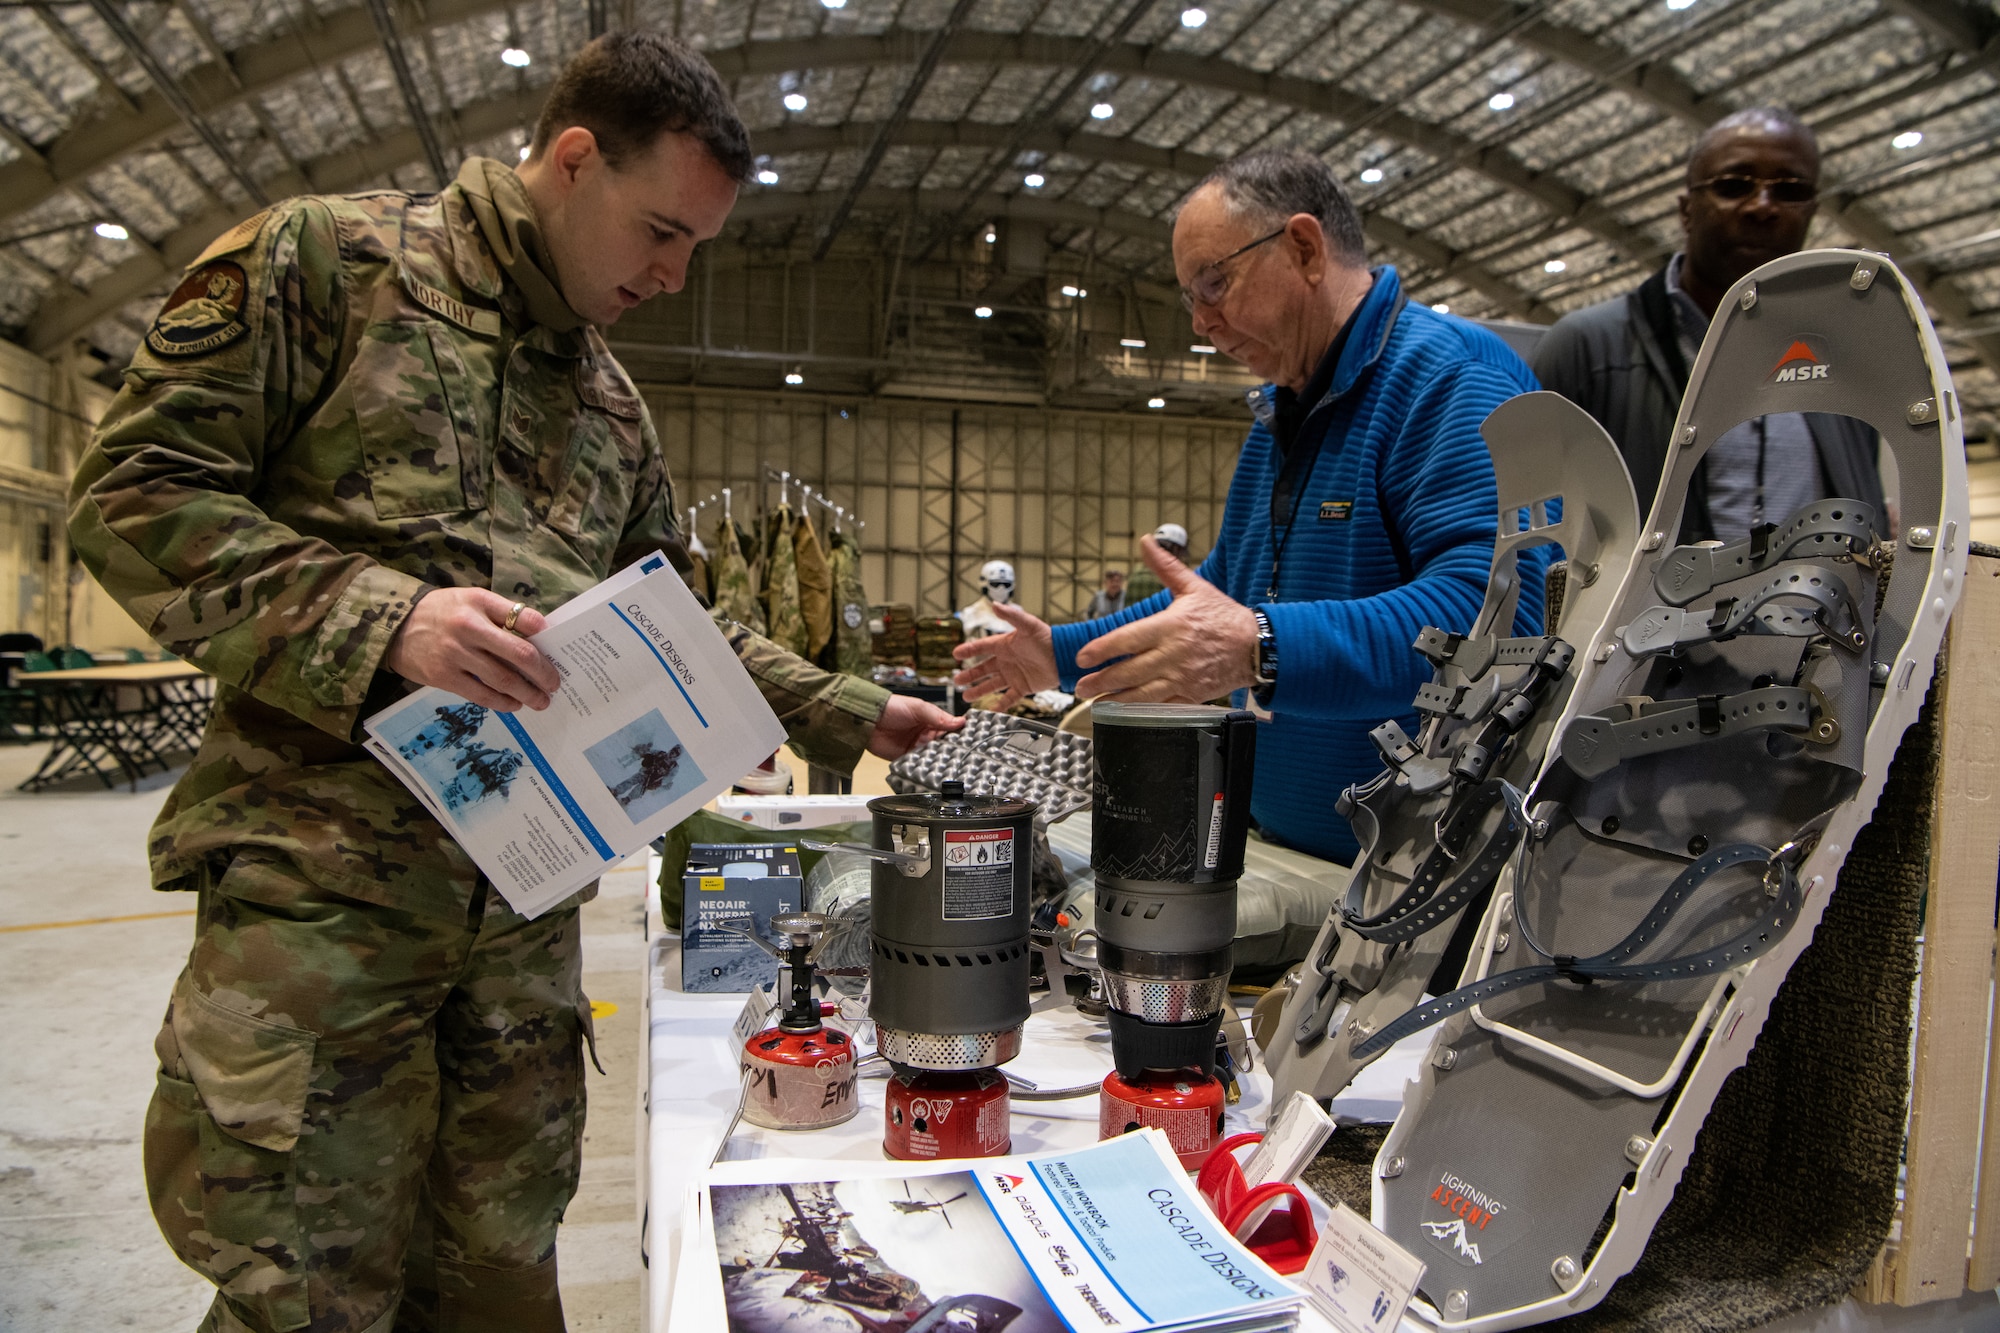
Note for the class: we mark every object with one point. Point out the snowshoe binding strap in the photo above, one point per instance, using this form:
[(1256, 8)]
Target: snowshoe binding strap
[(1594, 745), (1781, 886), (1431, 897), (1769, 609), (1823, 529)]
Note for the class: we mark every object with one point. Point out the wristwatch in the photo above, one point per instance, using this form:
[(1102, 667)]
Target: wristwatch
[(1266, 657)]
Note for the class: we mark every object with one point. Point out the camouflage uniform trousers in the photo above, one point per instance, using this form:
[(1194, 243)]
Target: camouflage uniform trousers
[(368, 1120)]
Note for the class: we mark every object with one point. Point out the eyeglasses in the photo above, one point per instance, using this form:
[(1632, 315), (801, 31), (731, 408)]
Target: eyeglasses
[(1211, 284), (1792, 190)]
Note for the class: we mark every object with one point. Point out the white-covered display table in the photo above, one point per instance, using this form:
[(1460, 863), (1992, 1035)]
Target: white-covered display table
[(688, 1088), (690, 1083)]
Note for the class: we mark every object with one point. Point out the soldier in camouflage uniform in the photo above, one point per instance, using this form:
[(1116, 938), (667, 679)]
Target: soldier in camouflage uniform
[(366, 439)]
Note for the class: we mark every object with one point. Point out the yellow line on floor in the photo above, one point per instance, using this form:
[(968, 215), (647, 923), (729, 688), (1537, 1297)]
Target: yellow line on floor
[(92, 921)]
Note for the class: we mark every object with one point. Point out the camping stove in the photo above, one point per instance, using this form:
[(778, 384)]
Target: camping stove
[(1172, 810), (949, 965), (799, 1074)]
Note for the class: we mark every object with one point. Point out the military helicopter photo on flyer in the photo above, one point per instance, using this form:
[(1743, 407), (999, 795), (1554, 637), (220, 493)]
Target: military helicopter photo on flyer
[(875, 1256)]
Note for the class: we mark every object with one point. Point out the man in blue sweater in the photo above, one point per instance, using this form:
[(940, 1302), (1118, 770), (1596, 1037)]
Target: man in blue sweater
[(1363, 506)]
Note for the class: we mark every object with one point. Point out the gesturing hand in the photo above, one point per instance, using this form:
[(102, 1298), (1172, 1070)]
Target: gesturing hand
[(1012, 666), (1198, 649), (907, 723), (456, 640)]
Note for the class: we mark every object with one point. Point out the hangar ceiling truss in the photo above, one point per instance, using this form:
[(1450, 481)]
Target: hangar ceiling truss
[(1516, 158)]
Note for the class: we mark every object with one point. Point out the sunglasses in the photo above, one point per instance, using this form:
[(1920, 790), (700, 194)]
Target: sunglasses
[(1734, 189), (1211, 284)]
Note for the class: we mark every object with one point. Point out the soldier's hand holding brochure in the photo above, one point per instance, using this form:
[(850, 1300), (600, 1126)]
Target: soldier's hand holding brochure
[(654, 717)]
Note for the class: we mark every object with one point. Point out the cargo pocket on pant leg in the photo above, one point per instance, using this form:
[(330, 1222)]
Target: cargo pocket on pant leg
[(248, 1078), (587, 1022)]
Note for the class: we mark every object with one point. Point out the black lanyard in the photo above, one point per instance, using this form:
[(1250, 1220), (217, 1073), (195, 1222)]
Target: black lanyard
[(1294, 479), (1295, 472)]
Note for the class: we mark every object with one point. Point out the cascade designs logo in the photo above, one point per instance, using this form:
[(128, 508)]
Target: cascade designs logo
[(1799, 363)]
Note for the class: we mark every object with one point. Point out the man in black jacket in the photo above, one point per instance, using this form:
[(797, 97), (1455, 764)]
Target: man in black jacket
[(1752, 187)]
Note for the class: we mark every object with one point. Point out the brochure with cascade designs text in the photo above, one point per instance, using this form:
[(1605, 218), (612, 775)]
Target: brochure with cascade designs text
[(654, 716), (1114, 1236)]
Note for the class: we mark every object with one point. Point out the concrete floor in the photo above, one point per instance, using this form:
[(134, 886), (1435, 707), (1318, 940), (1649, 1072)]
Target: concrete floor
[(88, 954)]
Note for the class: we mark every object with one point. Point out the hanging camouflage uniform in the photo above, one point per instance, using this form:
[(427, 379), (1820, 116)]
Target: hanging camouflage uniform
[(815, 586), (853, 647), (735, 589), (781, 583), (370, 1089), (697, 576)]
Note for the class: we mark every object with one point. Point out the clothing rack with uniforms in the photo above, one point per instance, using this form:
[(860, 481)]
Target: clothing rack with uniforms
[(786, 482)]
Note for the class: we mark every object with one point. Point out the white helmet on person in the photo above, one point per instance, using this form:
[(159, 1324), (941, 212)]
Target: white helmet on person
[(1171, 534), (996, 580)]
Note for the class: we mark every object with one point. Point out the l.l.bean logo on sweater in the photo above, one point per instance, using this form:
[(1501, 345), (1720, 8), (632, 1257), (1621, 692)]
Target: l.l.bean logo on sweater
[(1335, 511)]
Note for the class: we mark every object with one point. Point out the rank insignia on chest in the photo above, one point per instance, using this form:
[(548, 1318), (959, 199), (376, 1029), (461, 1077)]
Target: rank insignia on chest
[(1335, 511), (204, 313)]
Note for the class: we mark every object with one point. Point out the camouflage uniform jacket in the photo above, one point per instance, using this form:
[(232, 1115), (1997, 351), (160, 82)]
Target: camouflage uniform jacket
[(345, 403)]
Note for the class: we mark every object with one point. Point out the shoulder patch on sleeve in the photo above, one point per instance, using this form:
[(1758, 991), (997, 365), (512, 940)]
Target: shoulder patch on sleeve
[(204, 313), (236, 238)]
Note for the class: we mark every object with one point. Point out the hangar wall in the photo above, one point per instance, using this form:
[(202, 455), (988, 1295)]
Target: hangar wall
[(941, 488)]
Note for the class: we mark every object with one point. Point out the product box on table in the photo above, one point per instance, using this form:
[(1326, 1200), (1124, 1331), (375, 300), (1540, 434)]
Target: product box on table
[(728, 881)]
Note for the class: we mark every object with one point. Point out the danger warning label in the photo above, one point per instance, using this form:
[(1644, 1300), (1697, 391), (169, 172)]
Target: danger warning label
[(978, 873)]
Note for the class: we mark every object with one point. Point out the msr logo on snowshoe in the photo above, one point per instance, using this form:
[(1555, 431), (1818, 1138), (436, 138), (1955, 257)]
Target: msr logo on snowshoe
[(1456, 1213), (1798, 363)]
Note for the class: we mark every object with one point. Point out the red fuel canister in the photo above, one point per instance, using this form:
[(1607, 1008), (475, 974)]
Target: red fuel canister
[(933, 1113), (1184, 1104), (799, 1080)]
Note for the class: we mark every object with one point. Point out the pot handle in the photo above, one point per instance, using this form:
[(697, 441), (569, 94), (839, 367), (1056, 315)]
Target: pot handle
[(907, 862)]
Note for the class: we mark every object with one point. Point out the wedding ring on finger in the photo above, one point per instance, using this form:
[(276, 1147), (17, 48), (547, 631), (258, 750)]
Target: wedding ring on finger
[(514, 616)]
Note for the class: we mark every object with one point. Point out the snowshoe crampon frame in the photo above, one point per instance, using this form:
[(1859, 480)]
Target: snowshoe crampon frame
[(1433, 830), (1549, 1101)]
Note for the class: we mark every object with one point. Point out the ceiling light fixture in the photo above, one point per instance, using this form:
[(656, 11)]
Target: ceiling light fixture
[(516, 57), (991, 236), (524, 152), (767, 177), (1201, 349), (1034, 180), (1680, 4), (1554, 266), (1441, 307), (1369, 175), (1103, 111), (834, 4), (1907, 139), (1500, 101), (793, 377), (795, 101), (982, 312), (1131, 342), (1193, 18), (112, 231), (1156, 402)]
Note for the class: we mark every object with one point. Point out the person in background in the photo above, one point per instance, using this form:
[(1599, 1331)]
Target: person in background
[(1363, 506), (1752, 189), (1173, 539), (1109, 598), (996, 589)]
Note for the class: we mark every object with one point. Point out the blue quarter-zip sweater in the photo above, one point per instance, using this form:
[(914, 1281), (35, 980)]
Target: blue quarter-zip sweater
[(1393, 531)]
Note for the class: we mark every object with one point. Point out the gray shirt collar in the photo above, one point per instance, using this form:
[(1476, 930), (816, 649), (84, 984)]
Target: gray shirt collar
[(1691, 322)]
